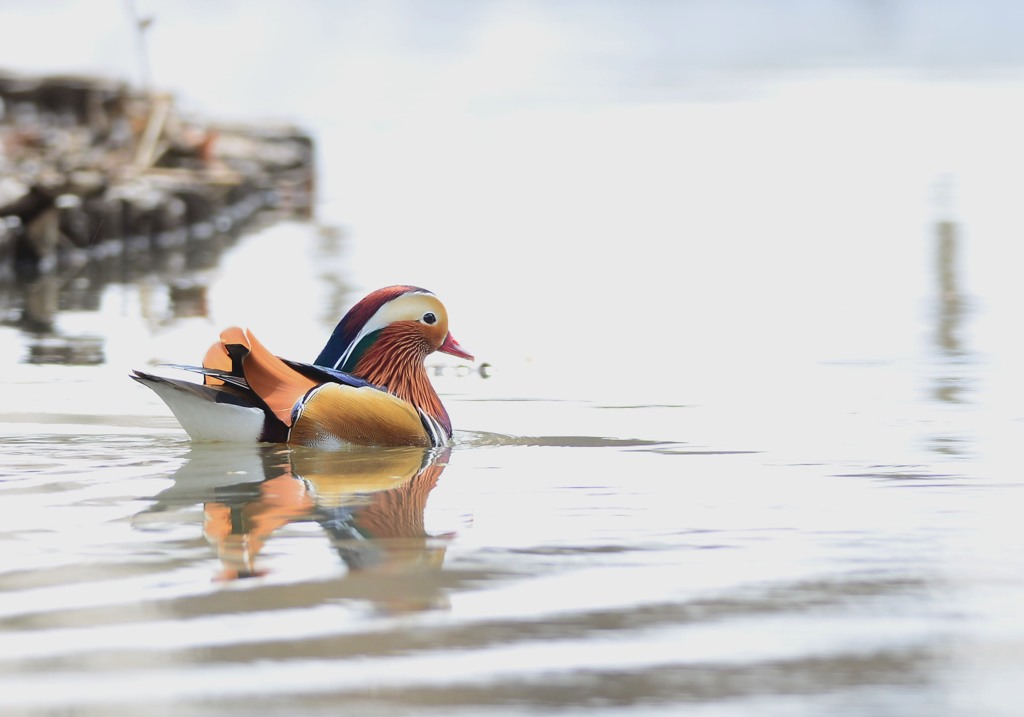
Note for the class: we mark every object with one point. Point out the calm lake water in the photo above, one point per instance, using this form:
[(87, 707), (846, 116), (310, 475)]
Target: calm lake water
[(743, 436)]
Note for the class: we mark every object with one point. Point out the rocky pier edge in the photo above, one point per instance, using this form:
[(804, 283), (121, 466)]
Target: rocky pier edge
[(92, 168)]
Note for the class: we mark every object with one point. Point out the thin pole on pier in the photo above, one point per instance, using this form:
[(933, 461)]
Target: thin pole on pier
[(141, 25)]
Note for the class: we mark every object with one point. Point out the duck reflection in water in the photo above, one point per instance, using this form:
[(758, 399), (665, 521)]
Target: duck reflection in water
[(369, 502)]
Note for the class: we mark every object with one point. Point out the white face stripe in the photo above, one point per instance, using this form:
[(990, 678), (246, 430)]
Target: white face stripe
[(406, 307)]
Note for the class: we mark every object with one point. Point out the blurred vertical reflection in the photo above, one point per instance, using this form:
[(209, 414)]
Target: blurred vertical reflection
[(329, 248), (950, 301), (949, 380), (949, 384)]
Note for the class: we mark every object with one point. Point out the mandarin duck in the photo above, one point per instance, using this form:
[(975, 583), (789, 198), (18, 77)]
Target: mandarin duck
[(368, 386)]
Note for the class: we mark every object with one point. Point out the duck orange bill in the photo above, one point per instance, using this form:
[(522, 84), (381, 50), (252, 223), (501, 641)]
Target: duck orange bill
[(451, 346)]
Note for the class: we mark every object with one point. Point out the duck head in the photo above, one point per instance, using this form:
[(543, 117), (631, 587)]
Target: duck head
[(394, 325)]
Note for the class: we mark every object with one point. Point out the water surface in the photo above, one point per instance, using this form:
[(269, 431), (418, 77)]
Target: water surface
[(742, 437)]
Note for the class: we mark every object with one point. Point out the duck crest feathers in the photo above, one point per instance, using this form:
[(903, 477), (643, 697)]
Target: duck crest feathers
[(366, 317)]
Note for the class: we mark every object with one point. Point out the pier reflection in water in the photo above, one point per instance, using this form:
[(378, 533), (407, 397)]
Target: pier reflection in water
[(36, 304), (58, 315)]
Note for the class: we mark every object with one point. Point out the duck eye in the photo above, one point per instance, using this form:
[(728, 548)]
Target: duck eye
[(429, 318)]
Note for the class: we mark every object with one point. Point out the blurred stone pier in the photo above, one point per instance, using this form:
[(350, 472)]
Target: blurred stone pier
[(91, 167)]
